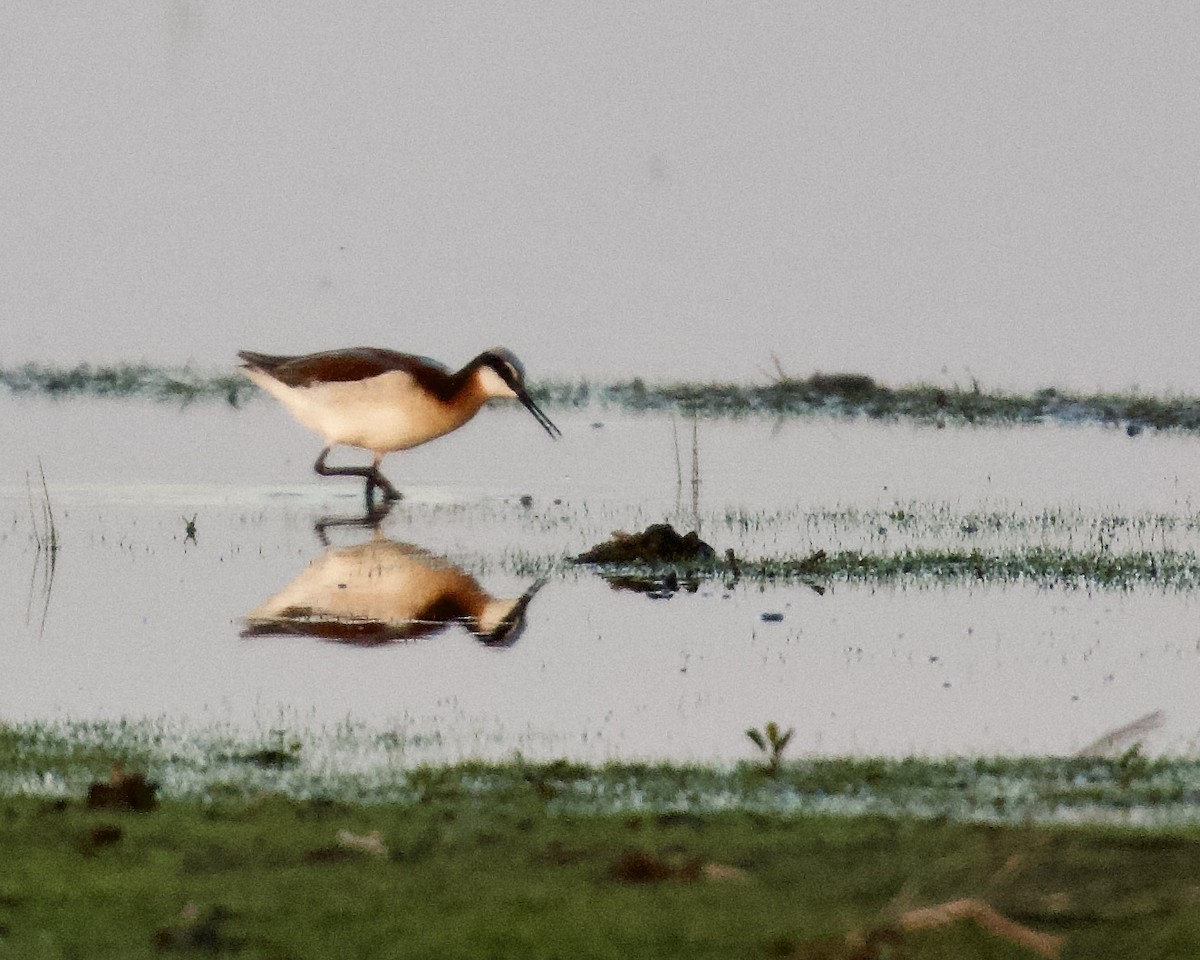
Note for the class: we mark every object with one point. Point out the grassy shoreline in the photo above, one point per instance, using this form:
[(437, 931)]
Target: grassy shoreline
[(361, 765), (273, 877), (818, 395), (542, 860)]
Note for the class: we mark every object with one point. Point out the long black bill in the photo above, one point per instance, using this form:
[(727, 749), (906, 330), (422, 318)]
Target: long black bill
[(513, 625), (538, 415)]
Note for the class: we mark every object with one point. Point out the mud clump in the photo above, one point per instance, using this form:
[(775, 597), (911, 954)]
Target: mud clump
[(852, 386), (99, 837), (124, 791), (198, 933), (640, 866), (659, 543)]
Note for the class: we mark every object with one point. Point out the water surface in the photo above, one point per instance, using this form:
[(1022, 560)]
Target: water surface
[(142, 621)]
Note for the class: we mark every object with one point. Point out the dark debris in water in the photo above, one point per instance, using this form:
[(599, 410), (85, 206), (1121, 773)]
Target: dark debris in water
[(653, 586), (658, 544)]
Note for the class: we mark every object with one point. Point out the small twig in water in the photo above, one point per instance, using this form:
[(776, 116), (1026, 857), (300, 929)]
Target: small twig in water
[(696, 473), (678, 467), (45, 536)]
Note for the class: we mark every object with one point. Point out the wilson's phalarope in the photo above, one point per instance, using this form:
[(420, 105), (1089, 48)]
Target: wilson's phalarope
[(384, 401)]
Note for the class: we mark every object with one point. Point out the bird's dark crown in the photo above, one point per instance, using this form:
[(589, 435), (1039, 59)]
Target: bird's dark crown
[(506, 365)]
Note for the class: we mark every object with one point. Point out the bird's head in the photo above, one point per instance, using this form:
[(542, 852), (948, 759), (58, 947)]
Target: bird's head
[(501, 374)]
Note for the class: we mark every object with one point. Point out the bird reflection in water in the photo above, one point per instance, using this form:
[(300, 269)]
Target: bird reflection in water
[(382, 591)]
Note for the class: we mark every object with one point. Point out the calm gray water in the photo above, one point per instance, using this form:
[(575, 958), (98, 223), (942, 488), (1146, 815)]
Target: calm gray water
[(142, 622)]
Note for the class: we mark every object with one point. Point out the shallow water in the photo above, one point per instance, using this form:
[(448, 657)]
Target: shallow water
[(140, 621)]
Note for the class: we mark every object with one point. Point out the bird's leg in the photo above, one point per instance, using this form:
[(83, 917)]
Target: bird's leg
[(382, 482), (372, 518), (371, 474), (367, 473)]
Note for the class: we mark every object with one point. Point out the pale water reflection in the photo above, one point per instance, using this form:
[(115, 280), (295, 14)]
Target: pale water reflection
[(381, 591)]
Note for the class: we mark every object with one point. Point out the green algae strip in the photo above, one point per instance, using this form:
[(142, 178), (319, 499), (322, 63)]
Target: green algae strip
[(525, 859), (820, 394), (858, 395), (1165, 569), (1047, 566)]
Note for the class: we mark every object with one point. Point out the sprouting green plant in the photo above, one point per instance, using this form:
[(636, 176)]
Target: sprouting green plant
[(772, 743), (1132, 765)]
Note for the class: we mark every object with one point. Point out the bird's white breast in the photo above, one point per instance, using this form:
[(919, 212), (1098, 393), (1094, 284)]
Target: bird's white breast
[(384, 413)]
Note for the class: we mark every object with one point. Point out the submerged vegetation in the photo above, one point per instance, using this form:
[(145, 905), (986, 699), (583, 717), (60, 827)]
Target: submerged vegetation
[(915, 544), (829, 394), (1038, 565), (859, 395)]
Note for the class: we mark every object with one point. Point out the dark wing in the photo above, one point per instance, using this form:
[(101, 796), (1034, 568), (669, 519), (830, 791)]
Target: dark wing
[(341, 366)]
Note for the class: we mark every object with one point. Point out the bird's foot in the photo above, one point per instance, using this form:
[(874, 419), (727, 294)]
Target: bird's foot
[(377, 479), (380, 482)]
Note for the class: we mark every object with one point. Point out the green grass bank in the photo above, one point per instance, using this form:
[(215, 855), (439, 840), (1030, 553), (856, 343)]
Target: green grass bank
[(292, 846), (450, 875)]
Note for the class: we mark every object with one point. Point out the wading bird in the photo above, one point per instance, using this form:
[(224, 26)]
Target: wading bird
[(384, 401)]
